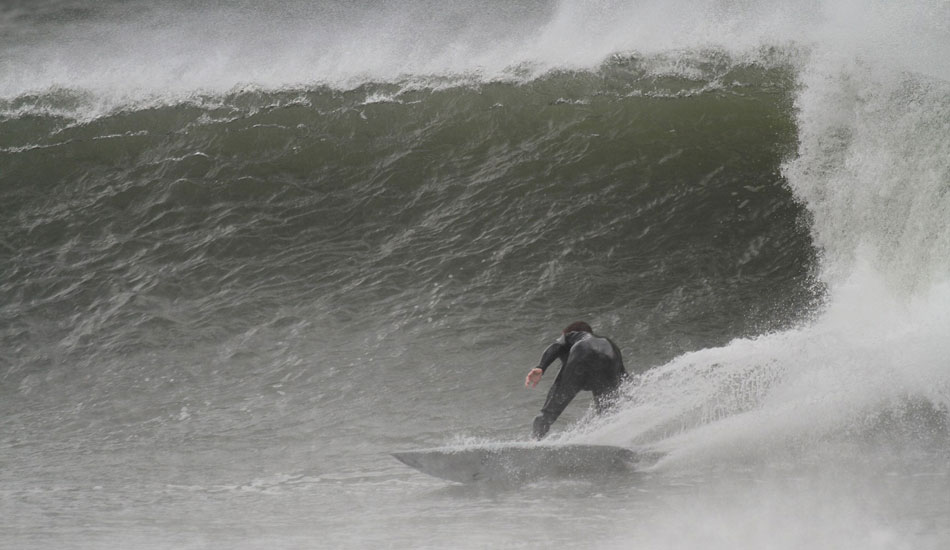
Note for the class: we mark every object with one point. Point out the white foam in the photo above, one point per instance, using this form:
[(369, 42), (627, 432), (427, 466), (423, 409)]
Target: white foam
[(125, 57), (873, 169), (870, 355)]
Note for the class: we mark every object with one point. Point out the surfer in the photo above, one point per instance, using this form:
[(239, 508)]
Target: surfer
[(588, 363)]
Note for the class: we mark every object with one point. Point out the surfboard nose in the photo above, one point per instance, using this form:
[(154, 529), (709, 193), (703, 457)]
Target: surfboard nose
[(408, 458)]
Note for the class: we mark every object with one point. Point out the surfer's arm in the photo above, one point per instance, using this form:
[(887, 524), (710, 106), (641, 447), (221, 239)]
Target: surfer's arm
[(548, 357), (550, 354)]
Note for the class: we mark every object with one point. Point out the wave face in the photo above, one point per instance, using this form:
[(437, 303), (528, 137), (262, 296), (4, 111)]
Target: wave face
[(459, 208), (246, 251)]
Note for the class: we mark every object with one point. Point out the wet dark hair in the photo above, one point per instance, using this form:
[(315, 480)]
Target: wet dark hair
[(578, 326)]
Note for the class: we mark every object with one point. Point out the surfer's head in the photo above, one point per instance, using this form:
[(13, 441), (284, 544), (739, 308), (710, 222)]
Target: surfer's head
[(578, 326)]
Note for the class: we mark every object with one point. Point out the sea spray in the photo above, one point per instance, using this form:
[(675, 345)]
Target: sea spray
[(251, 247), (872, 168)]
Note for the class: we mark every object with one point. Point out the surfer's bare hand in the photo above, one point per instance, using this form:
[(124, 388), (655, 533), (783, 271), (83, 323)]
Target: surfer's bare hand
[(533, 378)]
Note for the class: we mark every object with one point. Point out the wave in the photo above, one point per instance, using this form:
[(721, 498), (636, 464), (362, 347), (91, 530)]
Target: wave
[(124, 51), (479, 183), (179, 176), (872, 169)]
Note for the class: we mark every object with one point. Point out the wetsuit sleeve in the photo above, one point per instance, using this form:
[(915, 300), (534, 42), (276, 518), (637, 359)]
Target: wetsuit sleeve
[(550, 354)]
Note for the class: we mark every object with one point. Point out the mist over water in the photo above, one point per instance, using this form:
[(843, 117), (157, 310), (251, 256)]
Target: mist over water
[(247, 251), (133, 52)]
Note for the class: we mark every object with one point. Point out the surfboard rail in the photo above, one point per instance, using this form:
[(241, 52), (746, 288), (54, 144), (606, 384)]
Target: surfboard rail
[(520, 461)]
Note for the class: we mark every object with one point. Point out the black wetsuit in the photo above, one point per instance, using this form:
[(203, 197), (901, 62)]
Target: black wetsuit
[(588, 363)]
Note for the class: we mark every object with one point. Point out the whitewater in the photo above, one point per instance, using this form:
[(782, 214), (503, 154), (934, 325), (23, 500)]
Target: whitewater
[(247, 251)]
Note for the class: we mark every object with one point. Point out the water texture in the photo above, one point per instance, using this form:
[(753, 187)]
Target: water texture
[(246, 252)]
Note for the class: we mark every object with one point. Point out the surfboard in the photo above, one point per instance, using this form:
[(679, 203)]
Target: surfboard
[(521, 461)]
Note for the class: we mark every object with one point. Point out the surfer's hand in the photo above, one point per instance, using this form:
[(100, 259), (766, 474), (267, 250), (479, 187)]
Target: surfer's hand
[(533, 378)]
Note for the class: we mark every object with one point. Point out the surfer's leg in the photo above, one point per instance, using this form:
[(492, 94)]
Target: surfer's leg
[(541, 426), (606, 386), (559, 397)]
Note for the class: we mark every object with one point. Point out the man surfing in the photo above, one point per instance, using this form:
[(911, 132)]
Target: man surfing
[(588, 363)]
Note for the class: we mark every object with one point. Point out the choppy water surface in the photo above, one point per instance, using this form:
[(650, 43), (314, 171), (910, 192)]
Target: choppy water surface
[(247, 252)]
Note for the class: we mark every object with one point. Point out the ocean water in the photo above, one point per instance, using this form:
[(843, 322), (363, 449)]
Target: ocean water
[(249, 250)]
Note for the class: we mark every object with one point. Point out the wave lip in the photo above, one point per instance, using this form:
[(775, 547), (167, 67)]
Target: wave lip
[(126, 53)]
